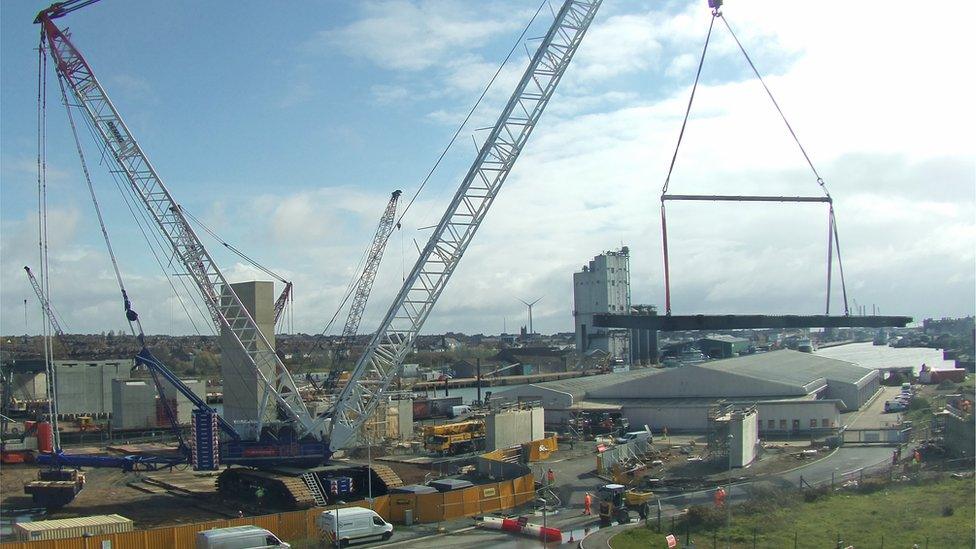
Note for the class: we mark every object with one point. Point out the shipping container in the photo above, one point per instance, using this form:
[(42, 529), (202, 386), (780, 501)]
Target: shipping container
[(72, 528)]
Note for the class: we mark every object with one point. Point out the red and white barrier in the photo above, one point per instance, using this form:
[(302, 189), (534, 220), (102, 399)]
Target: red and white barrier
[(522, 526)]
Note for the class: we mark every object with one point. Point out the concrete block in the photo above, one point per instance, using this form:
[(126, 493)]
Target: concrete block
[(133, 404)]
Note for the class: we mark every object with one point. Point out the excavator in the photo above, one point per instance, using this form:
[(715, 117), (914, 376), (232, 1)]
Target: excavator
[(285, 454)]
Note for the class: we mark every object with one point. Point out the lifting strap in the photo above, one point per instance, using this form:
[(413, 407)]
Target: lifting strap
[(833, 241)]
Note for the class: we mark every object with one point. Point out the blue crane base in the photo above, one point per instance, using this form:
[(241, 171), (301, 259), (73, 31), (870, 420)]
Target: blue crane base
[(264, 453)]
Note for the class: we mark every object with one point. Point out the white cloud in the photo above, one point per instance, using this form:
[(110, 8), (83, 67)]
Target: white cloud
[(410, 36), (887, 120)]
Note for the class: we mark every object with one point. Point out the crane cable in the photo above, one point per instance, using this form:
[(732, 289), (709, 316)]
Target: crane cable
[(141, 217), (833, 237), (42, 244), (231, 247), (477, 103), (135, 326), (98, 214), (352, 283)]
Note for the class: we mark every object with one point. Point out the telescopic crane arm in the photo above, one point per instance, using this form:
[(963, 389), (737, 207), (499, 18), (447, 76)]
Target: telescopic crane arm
[(394, 339), (225, 307)]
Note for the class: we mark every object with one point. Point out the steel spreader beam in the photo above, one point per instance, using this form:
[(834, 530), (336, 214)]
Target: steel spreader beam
[(743, 198), (225, 307), (394, 339)]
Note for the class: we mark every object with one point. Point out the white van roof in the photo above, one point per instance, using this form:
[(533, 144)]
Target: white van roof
[(232, 531), (348, 512)]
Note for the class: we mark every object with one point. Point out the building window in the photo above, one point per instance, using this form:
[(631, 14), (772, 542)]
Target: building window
[(771, 424), (782, 425), (825, 423), (813, 423)]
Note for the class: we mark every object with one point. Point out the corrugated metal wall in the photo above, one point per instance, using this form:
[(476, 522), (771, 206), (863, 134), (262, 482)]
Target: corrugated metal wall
[(300, 525)]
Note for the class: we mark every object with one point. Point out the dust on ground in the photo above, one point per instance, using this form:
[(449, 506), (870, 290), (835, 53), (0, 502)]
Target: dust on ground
[(106, 493)]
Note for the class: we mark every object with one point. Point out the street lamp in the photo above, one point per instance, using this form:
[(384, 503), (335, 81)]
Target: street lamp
[(545, 532), (728, 497)]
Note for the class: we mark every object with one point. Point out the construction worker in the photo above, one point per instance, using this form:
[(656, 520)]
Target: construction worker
[(587, 502), (550, 477)]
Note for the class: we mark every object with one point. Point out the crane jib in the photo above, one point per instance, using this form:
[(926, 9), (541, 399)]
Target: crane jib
[(225, 307), (394, 338)]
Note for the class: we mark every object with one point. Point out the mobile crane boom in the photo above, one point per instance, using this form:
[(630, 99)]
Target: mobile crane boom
[(365, 283), (225, 307), (394, 339), (45, 304)]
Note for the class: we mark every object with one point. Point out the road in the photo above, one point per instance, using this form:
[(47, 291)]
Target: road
[(844, 461), (873, 416)]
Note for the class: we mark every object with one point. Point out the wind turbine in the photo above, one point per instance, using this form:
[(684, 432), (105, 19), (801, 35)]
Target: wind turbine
[(529, 305)]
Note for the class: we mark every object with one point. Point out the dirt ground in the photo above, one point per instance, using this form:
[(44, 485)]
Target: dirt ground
[(106, 493)]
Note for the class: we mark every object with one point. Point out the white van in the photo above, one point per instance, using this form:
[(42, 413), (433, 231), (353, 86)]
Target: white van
[(354, 523), (238, 537), (457, 411), (644, 435)]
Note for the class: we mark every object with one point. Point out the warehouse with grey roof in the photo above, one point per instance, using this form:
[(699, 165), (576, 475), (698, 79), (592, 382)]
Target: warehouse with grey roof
[(794, 392)]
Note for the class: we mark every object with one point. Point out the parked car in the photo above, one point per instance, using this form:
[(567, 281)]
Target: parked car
[(895, 406), (238, 537), (342, 526), (635, 435)]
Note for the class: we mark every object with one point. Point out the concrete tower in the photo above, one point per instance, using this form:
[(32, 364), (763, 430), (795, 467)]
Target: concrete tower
[(242, 392), (603, 286)]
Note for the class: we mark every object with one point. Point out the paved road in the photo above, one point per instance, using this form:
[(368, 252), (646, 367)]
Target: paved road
[(843, 461), (873, 416)]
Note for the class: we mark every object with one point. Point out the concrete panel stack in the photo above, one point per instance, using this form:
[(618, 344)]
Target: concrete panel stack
[(85, 388), (181, 404), (133, 404), (514, 427), (28, 386), (243, 391)]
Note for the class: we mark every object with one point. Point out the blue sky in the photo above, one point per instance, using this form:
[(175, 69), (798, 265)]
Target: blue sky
[(286, 129)]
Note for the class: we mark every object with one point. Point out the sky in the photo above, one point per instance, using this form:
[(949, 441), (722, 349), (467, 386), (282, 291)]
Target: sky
[(285, 131)]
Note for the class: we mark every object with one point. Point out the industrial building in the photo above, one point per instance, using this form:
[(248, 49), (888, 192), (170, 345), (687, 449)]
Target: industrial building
[(723, 346), (793, 392), (565, 398), (603, 286)]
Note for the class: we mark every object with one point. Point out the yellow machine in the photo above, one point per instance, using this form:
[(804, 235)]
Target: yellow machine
[(617, 500), (455, 438)]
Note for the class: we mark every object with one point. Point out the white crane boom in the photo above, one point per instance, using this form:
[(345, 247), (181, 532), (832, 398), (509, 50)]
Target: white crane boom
[(394, 339), (225, 307)]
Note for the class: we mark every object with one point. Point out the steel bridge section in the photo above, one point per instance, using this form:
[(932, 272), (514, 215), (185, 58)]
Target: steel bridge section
[(226, 309), (393, 340), (673, 323)]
